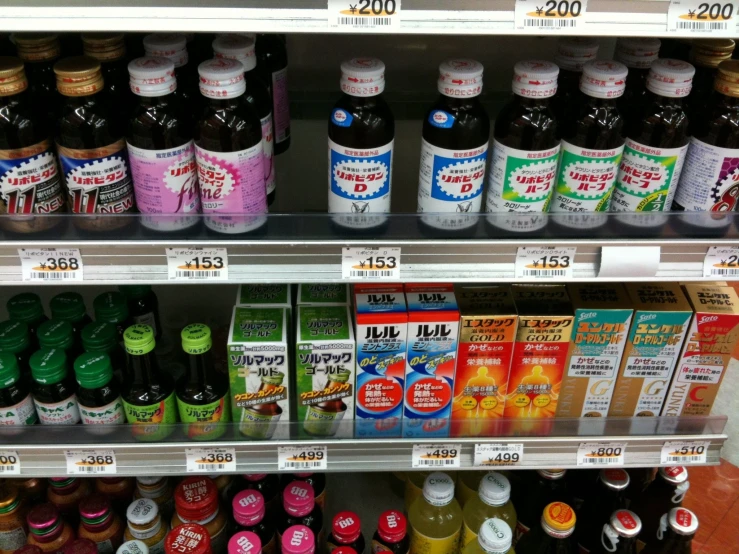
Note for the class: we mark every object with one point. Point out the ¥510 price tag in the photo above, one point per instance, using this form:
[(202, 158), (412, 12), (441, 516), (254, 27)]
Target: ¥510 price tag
[(370, 263), (10, 463), (545, 262), (721, 261), (436, 456), (550, 15), (364, 14), (696, 16), (90, 462), (208, 460), (601, 454), (498, 455), (50, 265), (292, 458), (684, 452), (194, 264)]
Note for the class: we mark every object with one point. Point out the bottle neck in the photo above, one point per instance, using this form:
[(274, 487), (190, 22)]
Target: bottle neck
[(154, 101), (13, 99), (224, 103), (728, 101), (143, 370), (460, 103), (677, 544), (667, 101), (532, 102), (200, 369), (601, 102), (362, 101)]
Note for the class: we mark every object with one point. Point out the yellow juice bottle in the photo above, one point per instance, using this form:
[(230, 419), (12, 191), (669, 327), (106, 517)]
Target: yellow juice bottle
[(492, 501), (414, 481), (467, 485), (495, 537), (435, 518)]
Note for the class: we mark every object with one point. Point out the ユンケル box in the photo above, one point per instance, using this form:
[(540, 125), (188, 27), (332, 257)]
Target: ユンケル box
[(327, 294)]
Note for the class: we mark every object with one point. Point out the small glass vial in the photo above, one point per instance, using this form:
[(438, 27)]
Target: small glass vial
[(54, 388), (16, 402), (392, 534), (245, 542), (249, 512), (146, 525), (346, 530)]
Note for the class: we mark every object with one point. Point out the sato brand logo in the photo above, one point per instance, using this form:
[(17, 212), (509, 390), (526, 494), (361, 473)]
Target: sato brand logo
[(588, 315), (707, 319), (646, 317)]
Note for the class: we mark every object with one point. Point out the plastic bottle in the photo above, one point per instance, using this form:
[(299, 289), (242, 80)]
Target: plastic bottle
[(16, 402), (54, 388), (554, 535), (272, 57), (47, 529), (39, 52), (316, 480), (118, 489), (298, 539), (706, 55), (494, 537), (618, 536), (173, 46), (675, 535), (346, 530), (112, 307), (467, 486), (100, 524), (133, 547), (245, 542), (189, 538), (196, 501), (572, 55), (146, 525), (608, 497), (66, 493), (548, 486), (493, 501), (16, 340), (143, 306), (158, 489), (98, 396), (102, 338), (268, 485), (664, 493), (13, 526), (110, 50), (60, 335), (391, 535), (435, 519), (27, 307), (299, 508), (323, 419), (70, 306), (637, 54), (249, 511)]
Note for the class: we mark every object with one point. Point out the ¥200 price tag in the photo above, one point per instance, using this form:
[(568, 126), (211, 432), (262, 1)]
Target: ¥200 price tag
[(194, 264), (498, 455), (207, 460), (696, 16), (684, 452), (364, 14), (10, 463), (50, 265), (436, 456), (601, 454), (370, 263), (550, 15), (721, 261), (545, 262), (291, 458), (90, 462)]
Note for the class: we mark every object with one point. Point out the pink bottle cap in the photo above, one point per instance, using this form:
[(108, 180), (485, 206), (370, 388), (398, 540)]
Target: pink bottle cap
[(42, 518), (346, 527), (81, 546), (298, 539), (248, 507), (298, 498), (245, 542), (96, 512), (254, 477), (344, 550)]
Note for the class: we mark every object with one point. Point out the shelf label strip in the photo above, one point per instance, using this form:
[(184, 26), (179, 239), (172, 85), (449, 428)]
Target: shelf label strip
[(296, 458), (197, 264), (436, 456), (51, 265), (10, 463), (364, 14), (498, 455), (697, 17), (551, 15), (209, 460), (90, 462), (601, 454), (629, 261), (545, 262), (721, 262), (684, 453), (370, 264)]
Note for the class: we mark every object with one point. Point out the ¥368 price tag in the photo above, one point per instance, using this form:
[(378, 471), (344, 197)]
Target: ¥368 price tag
[(364, 14), (436, 456), (370, 263), (498, 455), (90, 462), (684, 452), (721, 261), (194, 264), (292, 458), (208, 460), (51, 265), (10, 463), (698, 17), (601, 454), (545, 262), (550, 15)]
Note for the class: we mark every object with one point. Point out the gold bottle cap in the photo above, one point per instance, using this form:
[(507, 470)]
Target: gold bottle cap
[(37, 47), (104, 47), (711, 52), (8, 496), (78, 76), (727, 79), (12, 76)]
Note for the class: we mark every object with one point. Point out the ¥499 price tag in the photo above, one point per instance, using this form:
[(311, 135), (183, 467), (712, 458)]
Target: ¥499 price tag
[(684, 452), (601, 454), (545, 262), (550, 15), (364, 14), (188, 264), (436, 456), (498, 455), (208, 460), (721, 261), (696, 16), (90, 462), (370, 263), (10, 463), (292, 458), (51, 265)]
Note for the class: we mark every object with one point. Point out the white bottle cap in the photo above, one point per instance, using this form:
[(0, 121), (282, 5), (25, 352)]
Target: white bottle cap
[(172, 46), (133, 547), (438, 489), (495, 489), (682, 521), (573, 53), (460, 78), (152, 76), (637, 53), (603, 79), (221, 78), (236, 47), (142, 511), (535, 79), (670, 78), (495, 536), (363, 77)]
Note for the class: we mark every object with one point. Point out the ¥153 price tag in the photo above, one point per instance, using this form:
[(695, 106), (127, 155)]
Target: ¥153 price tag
[(545, 262), (696, 16), (364, 14), (10, 463), (550, 15), (601, 454), (194, 264), (292, 458), (436, 456), (498, 455), (51, 265), (208, 460), (721, 261), (90, 462), (683, 453), (370, 263)]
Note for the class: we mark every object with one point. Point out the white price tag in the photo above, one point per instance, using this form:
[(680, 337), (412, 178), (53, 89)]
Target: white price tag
[(10, 463), (498, 455), (682, 453), (51, 265), (297, 458), (550, 15), (436, 456), (90, 462), (545, 262), (721, 261), (194, 264), (370, 264), (698, 17), (601, 454), (364, 14), (629, 261), (210, 460)]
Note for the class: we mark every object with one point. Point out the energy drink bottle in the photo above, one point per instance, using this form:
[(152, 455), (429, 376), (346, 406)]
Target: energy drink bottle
[(553, 535), (494, 537), (436, 518), (493, 501), (637, 54)]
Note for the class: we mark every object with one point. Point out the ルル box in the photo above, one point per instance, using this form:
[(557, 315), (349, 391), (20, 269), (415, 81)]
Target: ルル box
[(325, 366), (602, 322), (433, 329), (323, 294), (258, 362), (381, 328), (487, 332), (707, 350)]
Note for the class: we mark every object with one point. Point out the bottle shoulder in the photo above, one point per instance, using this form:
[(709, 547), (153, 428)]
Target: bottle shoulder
[(456, 125)]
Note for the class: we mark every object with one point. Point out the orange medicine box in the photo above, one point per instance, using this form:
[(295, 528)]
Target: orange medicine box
[(545, 323), (707, 350), (487, 332)]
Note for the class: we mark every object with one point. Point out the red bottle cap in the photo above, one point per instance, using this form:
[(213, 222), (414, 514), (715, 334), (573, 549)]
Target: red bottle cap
[(44, 522), (344, 550), (254, 477), (188, 538), (96, 512), (245, 542), (392, 526), (298, 539), (196, 499), (81, 546), (248, 507), (346, 527), (298, 498)]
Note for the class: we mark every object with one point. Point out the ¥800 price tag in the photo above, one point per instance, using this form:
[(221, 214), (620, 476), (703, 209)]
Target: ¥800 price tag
[(364, 14), (444, 456), (10, 463), (684, 452), (187, 264), (696, 16), (207, 460), (721, 261), (498, 455), (370, 263), (545, 262), (550, 15), (50, 265), (291, 458), (90, 462), (601, 454)]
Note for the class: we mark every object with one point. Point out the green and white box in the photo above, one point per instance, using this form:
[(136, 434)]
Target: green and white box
[(269, 296), (327, 294)]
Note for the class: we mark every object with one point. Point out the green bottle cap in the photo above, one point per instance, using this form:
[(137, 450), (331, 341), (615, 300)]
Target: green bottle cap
[(275, 379), (99, 336), (14, 336), (25, 307), (111, 306), (48, 366), (342, 377), (55, 333), (139, 339), (196, 339), (93, 370), (68, 306), (135, 291), (9, 372)]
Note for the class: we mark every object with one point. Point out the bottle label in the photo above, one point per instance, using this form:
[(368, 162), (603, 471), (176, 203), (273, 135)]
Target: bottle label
[(379, 548), (105, 547), (162, 412), (66, 412), (442, 120), (206, 413), (23, 413), (268, 150), (468, 535), (281, 105), (29, 180), (422, 544), (110, 414), (359, 179), (519, 531), (257, 425), (342, 118), (322, 423), (12, 540), (98, 180)]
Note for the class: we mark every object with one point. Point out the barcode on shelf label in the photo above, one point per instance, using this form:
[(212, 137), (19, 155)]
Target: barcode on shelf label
[(601, 454), (370, 263), (550, 15), (684, 452), (549, 22), (702, 26), (721, 261), (210, 460), (545, 262), (10, 463), (90, 462), (195, 264), (697, 16), (436, 456), (50, 264), (291, 458), (498, 455), (364, 14)]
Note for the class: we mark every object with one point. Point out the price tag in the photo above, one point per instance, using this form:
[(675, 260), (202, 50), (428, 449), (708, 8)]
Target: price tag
[(209, 460), (51, 265), (194, 264), (10, 463), (697, 17), (291, 458), (364, 14), (545, 262), (683, 453), (90, 462), (436, 456), (498, 455), (601, 454), (550, 15), (370, 264), (721, 261)]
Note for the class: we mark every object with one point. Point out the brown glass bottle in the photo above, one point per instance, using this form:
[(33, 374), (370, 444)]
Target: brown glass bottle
[(110, 50), (637, 54), (39, 52), (173, 46), (572, 54), (706, 55), (272, 57), (544, 487), (596, 512), (553, 535), (619, 534), (675, 536)]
